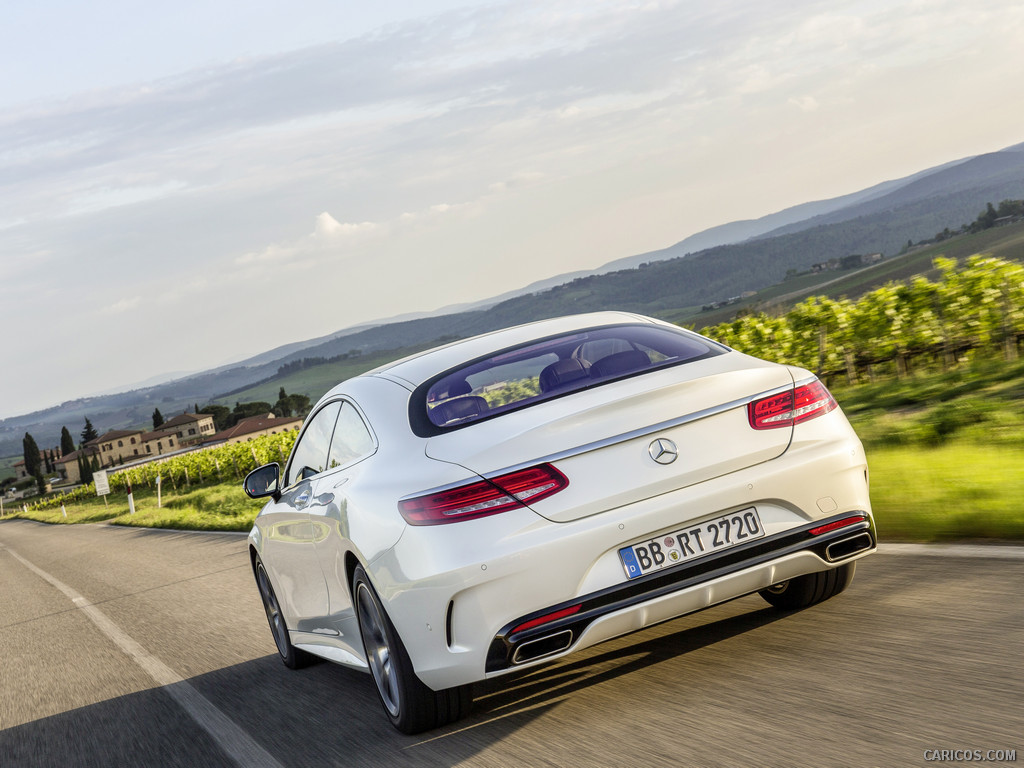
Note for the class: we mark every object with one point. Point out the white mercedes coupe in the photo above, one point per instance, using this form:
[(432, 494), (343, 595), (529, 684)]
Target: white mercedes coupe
[(505, 500)]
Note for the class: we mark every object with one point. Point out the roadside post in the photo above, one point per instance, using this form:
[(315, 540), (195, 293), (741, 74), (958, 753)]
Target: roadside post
[(158, 482), (63, 510), (102, 484), (131, 498)]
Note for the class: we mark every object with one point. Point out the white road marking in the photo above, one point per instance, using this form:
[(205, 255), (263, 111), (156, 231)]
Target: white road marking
[(990, 551), (236, 742)]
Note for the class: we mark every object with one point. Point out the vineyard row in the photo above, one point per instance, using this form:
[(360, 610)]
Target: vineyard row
[(976, 308)]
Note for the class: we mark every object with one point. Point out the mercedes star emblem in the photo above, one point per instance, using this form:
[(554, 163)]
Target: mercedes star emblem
[(663, 451)]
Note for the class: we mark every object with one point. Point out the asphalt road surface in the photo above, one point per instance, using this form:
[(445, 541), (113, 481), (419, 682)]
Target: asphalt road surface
[(117, 644)]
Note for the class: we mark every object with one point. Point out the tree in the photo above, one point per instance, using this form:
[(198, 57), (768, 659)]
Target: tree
[(33, 462), (300, 404), (84, 469), (283, 406), (289, 405), (158, 418), (67, 443), (221, 415), (245, 410), (89, 433)]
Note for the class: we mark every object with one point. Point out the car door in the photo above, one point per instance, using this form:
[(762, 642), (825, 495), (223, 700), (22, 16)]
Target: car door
[(289, 552), (332, 520)]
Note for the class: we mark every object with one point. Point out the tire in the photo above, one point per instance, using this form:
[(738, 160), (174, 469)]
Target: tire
[(293, 657), (411, 706), (812, 588)]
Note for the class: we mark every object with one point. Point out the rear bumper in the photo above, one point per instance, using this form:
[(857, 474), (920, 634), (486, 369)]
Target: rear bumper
[(682, 589)]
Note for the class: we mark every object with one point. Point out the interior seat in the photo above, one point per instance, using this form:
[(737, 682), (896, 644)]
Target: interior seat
[(562, 373), (619, 363), (457, 409)]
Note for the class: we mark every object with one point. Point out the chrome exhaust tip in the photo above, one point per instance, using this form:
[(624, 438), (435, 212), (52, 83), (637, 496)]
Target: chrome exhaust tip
[(542, 646), (844, 548)]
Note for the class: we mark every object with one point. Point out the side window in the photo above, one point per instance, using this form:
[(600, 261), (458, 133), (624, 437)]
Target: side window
[(351, 438), (311, 450)]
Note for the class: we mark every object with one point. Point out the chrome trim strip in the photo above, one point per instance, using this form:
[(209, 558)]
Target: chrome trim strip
[(471, 477), (325, 631), (642, 431)]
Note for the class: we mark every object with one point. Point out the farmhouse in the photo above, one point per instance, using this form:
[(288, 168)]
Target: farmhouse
[(255, 426), (160, 441), (117, 446), (190, 427)]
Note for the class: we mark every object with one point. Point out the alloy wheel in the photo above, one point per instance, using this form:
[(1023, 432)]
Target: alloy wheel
[(270, 605), (378, 651)]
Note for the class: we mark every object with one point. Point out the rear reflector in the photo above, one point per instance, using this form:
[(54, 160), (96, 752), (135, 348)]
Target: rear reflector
[(793, 406), (837, 525), (484, 497), (547, 618)]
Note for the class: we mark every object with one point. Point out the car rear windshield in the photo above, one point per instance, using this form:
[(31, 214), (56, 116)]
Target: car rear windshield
[(523, 376)]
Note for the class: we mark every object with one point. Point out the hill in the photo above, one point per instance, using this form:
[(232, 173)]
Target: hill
[(1004, 242), (673, 283)]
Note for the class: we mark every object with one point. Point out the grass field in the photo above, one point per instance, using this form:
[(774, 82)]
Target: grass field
[(958, 492), (7, 466), (981, 405), (223, 507)]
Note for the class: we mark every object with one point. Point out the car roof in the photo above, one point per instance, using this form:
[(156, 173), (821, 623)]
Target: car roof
[(417, 368)]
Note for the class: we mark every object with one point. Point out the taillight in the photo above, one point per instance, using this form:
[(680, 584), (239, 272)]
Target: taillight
[(835, 526), (791, 407), (547, 618), (484, 497)]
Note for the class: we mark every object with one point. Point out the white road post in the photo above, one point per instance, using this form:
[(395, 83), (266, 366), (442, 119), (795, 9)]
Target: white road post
[(62, 509), (158, 482), (131, 498)]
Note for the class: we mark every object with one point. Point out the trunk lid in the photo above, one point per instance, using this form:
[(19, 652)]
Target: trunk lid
[(601, 438)]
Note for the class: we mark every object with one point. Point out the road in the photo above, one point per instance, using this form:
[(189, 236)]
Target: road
[(116, 643)]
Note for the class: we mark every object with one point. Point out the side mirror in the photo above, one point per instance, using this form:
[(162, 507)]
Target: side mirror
[(263, 481)]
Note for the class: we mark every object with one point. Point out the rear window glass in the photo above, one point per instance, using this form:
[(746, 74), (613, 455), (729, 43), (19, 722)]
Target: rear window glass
[(522, 376)]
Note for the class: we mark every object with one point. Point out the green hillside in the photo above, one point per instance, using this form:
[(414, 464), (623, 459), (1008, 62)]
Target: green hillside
[(1004, 242)]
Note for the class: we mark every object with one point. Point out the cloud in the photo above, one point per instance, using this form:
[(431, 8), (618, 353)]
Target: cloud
[(548, 135), (330, 229), (122, 306), (330, 237), (99, 198), (804, 103)]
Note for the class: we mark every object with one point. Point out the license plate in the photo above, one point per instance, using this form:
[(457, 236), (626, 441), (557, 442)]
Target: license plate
[(691, 542)]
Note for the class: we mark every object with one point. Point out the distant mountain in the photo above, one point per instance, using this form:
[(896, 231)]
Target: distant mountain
[(796, 217), (879, 219), (973, 182), (709, 266)]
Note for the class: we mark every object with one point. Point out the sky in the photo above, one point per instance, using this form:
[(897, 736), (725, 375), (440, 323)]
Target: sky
[(188, 184)]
